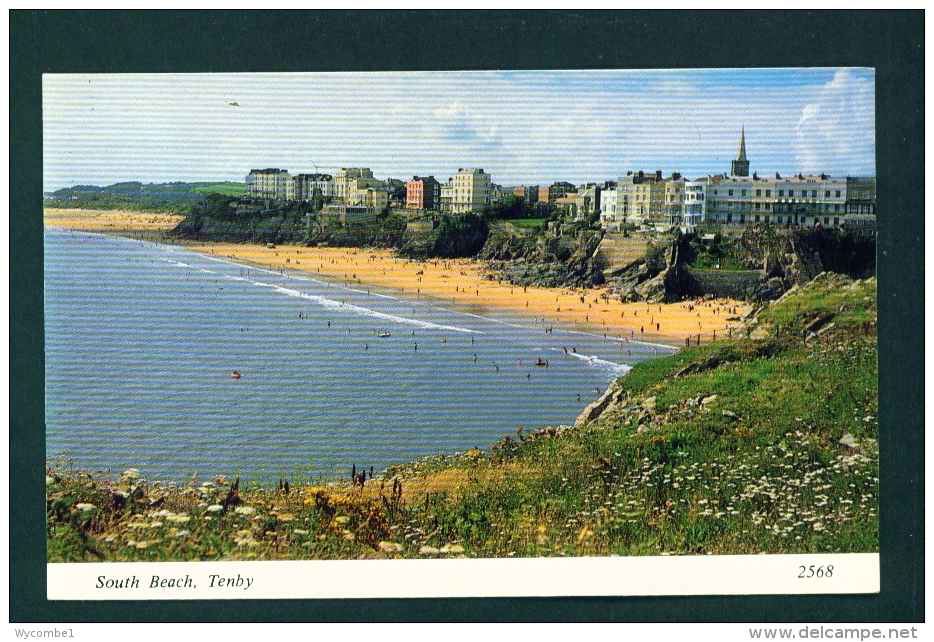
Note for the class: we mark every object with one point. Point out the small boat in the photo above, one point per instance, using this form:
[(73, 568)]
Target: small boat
[(539, 362), (382, 335), (235, 374)]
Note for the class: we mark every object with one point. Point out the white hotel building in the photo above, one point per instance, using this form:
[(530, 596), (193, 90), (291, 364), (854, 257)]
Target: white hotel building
[(471, 191)]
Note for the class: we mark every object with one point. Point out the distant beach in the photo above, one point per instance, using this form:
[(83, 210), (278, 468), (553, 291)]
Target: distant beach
[(111, 221)]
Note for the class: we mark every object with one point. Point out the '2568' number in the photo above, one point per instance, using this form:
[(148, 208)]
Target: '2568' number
[(815, 571)]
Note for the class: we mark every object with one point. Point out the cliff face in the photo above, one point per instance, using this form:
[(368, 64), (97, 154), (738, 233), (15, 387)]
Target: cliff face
[(758, 265), (225, 220), (556, 258)]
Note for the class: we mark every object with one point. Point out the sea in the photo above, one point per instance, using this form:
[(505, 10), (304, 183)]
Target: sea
[(142, 341)]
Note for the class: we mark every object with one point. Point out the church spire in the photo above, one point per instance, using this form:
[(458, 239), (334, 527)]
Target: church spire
[(740, 166)]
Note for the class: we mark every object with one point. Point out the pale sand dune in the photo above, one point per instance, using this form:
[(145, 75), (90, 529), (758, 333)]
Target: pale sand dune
[(465, 282), (110, 220)]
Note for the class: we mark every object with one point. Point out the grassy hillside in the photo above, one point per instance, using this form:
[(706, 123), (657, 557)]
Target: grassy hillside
[(166, 198), (728, 448), (226, 188)]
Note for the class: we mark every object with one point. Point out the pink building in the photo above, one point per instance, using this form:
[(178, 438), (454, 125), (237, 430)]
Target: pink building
[(422, 193)]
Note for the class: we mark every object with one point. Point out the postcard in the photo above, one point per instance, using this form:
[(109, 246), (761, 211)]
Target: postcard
[(460, 334)]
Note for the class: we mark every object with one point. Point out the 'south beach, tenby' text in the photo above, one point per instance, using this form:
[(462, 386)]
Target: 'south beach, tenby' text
[(186, 582)]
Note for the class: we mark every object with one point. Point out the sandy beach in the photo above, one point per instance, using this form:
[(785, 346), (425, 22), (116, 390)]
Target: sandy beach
[(464, 284), (114, 221)]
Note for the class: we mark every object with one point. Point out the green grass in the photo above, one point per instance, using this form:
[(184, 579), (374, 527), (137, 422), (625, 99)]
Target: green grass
[(168, 198), (226, 188), (757, 469), (528, 223)]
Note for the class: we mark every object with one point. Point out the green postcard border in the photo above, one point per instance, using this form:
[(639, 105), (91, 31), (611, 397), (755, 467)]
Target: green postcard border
[(175, 41)]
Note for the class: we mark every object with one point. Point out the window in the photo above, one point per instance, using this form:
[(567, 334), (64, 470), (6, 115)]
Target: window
[(758, 192), (768, 193), (730, 193), (813, 193), (715, 192), (791, 193), (827, 194), (781, 192), (836, 208), (757, 218), (838, 193), (768, 206), (757, 206), (743, 192)]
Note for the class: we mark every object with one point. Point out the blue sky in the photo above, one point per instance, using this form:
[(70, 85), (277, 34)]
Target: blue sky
[(521, 127)]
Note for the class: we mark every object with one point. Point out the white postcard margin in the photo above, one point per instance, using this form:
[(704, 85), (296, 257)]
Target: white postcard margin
[(525, 577)]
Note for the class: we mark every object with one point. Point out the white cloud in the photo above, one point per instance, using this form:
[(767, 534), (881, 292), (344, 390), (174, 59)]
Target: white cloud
[(839, 125)]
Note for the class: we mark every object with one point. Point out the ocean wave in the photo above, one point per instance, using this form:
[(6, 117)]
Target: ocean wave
[(325, 301), (597, 362), (348, 307)]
